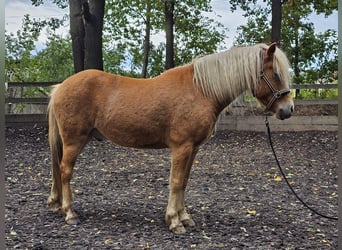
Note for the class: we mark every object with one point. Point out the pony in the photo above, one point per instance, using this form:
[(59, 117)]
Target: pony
[(177, 109)]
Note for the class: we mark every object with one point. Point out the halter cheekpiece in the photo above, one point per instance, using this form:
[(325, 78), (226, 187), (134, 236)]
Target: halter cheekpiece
[(276, 93)]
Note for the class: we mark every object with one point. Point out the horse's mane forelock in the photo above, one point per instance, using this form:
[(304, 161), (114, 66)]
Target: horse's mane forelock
[(225, 75)]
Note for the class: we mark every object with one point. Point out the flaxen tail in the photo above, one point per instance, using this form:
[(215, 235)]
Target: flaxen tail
[(56, 145)]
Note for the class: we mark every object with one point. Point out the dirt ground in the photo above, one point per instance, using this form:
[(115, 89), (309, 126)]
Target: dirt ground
[(235, 194), (326, 109)]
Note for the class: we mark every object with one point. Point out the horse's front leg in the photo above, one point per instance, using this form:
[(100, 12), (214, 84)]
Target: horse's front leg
[(176, 215)]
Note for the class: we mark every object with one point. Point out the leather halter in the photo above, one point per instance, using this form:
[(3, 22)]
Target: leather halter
[(276, 93)]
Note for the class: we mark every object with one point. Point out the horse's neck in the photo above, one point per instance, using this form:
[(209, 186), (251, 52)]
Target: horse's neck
[(185, 73), (223, 77), (240, 89)]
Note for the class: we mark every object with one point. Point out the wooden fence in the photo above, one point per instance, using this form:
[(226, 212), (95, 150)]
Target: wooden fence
[(25, 120), (40, 119)]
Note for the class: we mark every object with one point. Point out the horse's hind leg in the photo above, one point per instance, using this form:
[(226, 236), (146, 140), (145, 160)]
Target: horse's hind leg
[(70, 154), (55, 198), (176, 215)]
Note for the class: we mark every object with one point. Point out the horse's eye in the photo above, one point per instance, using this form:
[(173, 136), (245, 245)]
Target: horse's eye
[(276, 76)]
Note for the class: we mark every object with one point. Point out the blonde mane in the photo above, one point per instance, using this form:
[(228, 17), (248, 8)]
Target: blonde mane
[(226, 75)]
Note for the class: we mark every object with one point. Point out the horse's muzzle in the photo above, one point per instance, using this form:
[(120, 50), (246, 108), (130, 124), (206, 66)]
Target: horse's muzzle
[(285, 111)]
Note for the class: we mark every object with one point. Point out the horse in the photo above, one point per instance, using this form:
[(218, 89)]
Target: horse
[(177, 109)]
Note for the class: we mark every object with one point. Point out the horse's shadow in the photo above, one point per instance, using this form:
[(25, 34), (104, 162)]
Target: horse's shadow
[(124, 216)]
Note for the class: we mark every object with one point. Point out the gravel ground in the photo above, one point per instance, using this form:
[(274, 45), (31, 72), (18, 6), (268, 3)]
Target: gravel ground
[(235, 194)]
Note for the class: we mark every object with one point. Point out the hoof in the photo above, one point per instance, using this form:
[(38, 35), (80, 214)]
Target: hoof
[(188, 223), (51, 202), (57, 209), (55, 204), (179, 221), (180, 229), (72, 221), (71, 218)]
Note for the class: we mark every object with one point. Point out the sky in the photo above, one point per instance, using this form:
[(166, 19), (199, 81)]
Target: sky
[(16, 9)]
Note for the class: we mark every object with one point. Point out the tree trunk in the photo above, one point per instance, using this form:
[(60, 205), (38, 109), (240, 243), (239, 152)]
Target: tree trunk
[(77, 34), (296, 65), (147, 39), (169, 24), (93, 13), (86, 23), (276, 21), (297, 51)]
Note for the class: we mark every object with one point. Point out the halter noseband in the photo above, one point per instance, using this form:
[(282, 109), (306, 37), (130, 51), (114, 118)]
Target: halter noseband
[(276, 93)]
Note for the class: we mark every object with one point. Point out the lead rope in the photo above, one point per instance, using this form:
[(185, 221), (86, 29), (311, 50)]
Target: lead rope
[(284, 176)]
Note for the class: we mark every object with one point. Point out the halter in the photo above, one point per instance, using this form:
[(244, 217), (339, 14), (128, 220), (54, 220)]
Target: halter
[(276, 93)]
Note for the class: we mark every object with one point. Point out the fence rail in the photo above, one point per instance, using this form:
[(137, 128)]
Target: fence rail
[(28, 120), (33, 100), (314, 86), (30, 84)]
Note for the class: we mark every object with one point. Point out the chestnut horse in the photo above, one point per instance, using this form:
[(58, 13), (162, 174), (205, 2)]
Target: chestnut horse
[(177, 109)]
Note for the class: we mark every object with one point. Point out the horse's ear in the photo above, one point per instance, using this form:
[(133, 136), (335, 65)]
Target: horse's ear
[(270, 51)]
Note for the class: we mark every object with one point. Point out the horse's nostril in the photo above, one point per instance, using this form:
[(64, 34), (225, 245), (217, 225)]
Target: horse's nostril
[(283, 114)]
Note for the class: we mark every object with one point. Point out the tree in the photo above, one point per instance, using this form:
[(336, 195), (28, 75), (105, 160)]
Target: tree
[(147, 38), (276, 21), (251, 8), (60, 3), (169, 6), (86, 24), (125, 32), (128, 28), (195, 33), (24, 63), (55, 61), (257, 29), (319, 6), (77, 32)]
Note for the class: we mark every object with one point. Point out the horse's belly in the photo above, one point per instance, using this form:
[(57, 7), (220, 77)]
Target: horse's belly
[(138, 142), (135, 136)]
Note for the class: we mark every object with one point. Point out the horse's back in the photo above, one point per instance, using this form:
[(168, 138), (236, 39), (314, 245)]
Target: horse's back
[(85, 91), (86, 80)]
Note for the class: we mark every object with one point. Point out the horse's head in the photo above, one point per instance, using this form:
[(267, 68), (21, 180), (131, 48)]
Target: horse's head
[(272, 89)]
